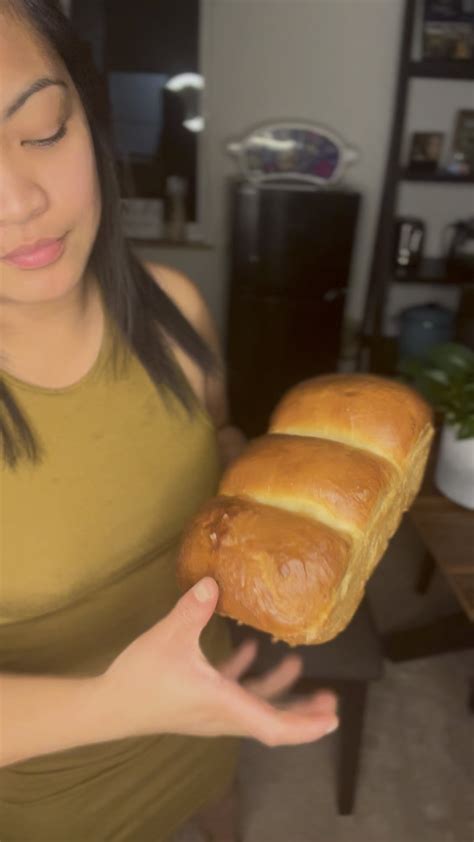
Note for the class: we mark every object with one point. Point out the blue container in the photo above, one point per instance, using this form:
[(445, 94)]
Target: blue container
[(422, 327)]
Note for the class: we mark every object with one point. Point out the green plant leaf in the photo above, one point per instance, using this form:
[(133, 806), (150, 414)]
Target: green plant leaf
[(451, 357), (445, 378), (437, 375), (410, 367), (466, 429)]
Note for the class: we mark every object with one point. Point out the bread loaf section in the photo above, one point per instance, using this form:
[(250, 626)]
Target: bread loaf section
[(306, 512)]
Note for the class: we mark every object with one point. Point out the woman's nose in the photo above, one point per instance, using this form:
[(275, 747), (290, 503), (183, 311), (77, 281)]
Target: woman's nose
[(21, 198)]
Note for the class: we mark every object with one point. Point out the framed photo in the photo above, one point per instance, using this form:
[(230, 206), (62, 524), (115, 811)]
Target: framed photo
[(448, 29), (425, 151), (454, 41), (446, 10), (462, 154)]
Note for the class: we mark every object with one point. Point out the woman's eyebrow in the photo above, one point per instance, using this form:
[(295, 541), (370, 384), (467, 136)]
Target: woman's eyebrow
[(36, 86)]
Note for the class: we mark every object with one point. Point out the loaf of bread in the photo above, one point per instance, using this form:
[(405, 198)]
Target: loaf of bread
[(306, 512)]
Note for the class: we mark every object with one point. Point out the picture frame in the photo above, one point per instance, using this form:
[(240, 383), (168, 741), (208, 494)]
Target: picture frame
[(448, 30), (462, 152), (425, 151), (447, 9), (451, 41)]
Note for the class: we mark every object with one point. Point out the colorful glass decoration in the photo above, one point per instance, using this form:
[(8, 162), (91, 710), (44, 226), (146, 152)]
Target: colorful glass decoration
[(296, 151)]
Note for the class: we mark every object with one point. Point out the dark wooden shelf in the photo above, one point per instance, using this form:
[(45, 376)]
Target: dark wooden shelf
[(382, 273), (441, 69), (408, 174), (432, 270)]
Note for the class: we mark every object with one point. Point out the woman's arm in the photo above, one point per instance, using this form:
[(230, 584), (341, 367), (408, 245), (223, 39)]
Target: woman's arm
[(159, 684), (45, 714)]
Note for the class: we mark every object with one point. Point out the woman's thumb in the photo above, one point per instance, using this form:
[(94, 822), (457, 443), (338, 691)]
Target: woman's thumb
[(194, 610)]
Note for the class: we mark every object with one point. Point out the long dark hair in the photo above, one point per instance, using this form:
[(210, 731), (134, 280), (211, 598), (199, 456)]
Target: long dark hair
[(142, 312)]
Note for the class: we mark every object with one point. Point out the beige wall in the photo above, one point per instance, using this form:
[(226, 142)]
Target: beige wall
[(328, 61)]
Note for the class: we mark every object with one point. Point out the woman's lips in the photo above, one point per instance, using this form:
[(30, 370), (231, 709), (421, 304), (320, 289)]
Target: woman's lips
[(43, 255)]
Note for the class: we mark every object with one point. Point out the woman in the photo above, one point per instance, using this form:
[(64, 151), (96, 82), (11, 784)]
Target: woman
[(113, 415)]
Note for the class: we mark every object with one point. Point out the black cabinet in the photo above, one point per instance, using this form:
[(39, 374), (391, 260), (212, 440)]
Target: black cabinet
[(291, 249)]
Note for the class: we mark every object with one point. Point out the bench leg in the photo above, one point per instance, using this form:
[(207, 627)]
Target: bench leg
[(352, 711)]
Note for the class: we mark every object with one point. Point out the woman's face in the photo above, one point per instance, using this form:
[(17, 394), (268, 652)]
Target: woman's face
[(47, 190)]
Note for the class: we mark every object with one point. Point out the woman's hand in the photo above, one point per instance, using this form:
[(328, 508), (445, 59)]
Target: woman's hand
[(162, 683)]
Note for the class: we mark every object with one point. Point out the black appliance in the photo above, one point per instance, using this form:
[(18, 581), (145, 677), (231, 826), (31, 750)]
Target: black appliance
[(460, 250), (409, 238), (290, 255)]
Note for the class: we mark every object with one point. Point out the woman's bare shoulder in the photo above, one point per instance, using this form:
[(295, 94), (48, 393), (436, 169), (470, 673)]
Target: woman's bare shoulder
[(181, 289), (210, 388)]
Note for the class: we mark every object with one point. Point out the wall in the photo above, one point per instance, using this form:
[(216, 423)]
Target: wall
[(327, 61)]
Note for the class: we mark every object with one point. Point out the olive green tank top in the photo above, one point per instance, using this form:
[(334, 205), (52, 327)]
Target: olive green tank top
[(89, 537)]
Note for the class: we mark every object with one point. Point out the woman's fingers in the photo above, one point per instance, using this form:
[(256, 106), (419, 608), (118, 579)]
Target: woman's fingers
[(238, 710), (191, 614), (293, 728), (240, 660), (274, 682), (277, 680), (323, 702), (255, 718)]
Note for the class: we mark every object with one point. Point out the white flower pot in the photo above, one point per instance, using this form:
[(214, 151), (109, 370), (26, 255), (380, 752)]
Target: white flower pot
[(454, 475)]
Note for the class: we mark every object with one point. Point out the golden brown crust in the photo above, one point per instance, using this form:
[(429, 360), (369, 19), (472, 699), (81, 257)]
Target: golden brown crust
[(362, 410), (276, 571), (306, 512), (331, 481)]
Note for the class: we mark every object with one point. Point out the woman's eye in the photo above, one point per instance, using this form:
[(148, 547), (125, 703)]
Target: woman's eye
[(49, 141)]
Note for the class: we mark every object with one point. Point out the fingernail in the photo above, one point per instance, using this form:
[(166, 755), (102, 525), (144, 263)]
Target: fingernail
[(203, 591), (333, 727)]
